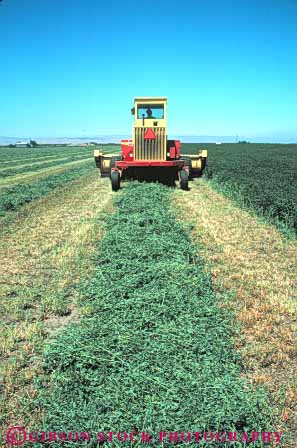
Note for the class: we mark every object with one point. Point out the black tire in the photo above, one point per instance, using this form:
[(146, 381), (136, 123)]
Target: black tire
[(184, 180), (188, 162), (115, 180)]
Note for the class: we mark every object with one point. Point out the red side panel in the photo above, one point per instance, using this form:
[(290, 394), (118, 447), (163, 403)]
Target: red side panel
[(177, 146), (127, 150), (172, 152)]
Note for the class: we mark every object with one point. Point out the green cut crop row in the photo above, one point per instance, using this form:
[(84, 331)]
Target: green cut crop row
[(37, 158), (261, 177), (13, 198), (42, 165), (20, 154), (153, 349)]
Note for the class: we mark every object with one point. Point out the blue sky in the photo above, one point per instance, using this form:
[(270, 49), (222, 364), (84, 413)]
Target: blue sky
[(72, 68)]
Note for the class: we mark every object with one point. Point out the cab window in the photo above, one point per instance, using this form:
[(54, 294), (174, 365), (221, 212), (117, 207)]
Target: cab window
[(150, 111)]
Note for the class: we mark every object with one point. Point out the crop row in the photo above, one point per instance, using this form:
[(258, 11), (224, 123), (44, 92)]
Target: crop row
[(42, 165), (15, 197), (33, 154), (39, 158), (153, 348), (18, 154), (260, 177)]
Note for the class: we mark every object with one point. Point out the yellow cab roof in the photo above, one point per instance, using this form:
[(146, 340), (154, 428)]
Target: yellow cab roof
[(150, 99)]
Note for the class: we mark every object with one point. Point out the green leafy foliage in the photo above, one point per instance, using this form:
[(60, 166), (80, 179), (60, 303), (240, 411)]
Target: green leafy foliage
[(153, 349), (261, 177)]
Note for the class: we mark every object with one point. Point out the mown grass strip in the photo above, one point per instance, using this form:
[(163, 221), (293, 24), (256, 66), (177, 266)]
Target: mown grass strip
[(13, 198), (35, 158), (12, 155), (35, 166), (153, 350), (27, 176)]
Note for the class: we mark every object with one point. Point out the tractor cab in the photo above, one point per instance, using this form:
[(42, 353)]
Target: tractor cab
[(149, 130), (150, 112)]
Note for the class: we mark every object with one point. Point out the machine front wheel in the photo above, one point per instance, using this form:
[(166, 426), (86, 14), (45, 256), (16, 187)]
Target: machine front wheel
[(184, 180), (115, 180)]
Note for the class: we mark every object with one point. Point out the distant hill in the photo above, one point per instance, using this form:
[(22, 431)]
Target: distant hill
[(116, 139)]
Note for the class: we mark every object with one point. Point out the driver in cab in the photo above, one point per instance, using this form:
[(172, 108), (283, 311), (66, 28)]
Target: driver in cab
[(149, 112)]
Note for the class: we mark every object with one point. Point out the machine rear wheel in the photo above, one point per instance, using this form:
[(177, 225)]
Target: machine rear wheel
[(184, 180), (115, 180)]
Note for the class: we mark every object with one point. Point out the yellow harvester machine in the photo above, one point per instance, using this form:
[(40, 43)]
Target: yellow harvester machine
[(150, 154)]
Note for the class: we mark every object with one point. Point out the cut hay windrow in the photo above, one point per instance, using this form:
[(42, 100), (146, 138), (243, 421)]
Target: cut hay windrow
[(13, 198), (153, 349), (15, 170)]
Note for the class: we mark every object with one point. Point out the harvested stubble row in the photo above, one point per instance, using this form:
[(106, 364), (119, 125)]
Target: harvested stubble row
[(153, 350)]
